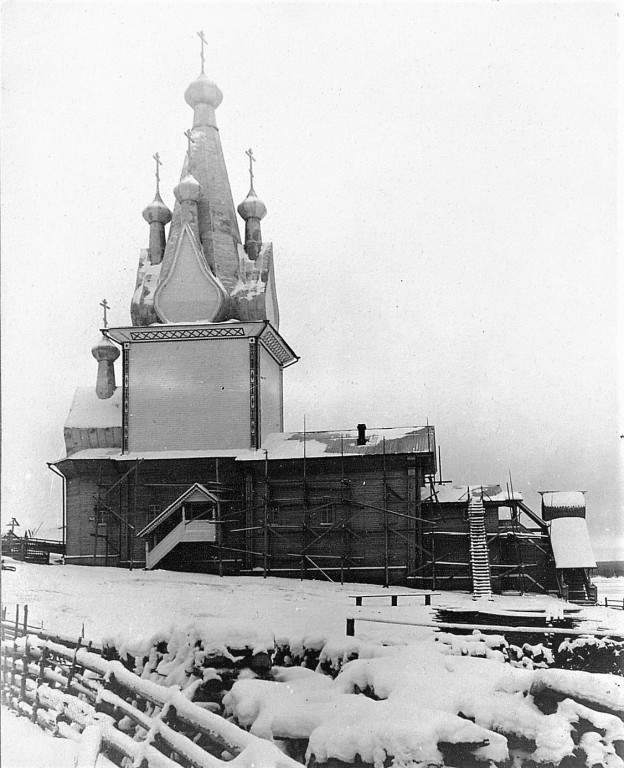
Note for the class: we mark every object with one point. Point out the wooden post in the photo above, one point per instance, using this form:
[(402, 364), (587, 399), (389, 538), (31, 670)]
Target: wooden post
[(385, 519), (265, 548), (427, 599), (24, 670), (25, 624), (132, 517), (394, 600), (14, 653), (350, 627), (219, 526), (411, 511)]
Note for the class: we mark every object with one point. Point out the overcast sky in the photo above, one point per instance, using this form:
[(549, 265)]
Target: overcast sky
[(441, 190)]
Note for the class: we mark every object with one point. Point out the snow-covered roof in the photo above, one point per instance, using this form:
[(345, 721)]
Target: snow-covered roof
[(115, 454), (88, 411), (570, 543), (458, 494), (291, 445), (563, 500)]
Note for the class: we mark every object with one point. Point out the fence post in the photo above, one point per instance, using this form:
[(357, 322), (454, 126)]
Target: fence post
[(12, 685), (39, 681), (24, 670), (350, 627), (25, 620)]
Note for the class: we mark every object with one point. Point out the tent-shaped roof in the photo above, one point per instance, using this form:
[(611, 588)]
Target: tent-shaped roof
[(196, 492)]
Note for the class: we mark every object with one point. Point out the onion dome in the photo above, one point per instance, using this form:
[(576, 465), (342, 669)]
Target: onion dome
[(157, 211), (203, 91), (188, 189), (105, 350), (252, 207)]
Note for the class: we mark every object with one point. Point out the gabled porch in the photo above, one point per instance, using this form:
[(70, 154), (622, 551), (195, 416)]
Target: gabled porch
[(188, 523)]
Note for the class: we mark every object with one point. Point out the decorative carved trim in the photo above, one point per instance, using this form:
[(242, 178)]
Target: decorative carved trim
[(273, 345), (254, 394), (156, 334), (125, 361)]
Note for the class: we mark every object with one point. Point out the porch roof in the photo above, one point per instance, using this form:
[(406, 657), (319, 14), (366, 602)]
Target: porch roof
[(157, 521)]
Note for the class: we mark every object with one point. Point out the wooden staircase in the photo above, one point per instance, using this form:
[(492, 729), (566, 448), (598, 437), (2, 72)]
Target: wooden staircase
[(193, 531), (479, 557)]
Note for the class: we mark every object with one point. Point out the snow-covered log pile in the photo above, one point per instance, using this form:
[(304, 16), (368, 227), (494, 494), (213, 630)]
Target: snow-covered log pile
[(470, 701), (423, 706), (208, 658), (592, 654), (134, 721)]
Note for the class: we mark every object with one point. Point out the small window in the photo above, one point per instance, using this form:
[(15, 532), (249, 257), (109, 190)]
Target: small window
[(153, 508), (327, 516)]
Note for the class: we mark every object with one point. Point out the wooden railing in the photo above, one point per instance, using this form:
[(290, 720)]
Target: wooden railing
[(66, 686), (185, 531), (614, 602)]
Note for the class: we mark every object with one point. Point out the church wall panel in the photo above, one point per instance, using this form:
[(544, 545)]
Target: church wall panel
[(270, 394), (189, 395)]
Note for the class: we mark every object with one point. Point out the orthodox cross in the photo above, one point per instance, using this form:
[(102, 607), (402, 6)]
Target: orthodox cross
[(187, 133), (252, 160), (200, 35), (104, 305), (158, 164)]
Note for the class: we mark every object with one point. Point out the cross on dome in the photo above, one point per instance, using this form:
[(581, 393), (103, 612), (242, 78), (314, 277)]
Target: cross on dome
[(200, 35), (104, 305), (252, 160), (158, 164), (188, 135)]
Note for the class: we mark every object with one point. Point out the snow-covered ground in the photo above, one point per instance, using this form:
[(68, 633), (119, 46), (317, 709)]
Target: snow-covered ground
[(123, 604), (111, 601), (611, 588)]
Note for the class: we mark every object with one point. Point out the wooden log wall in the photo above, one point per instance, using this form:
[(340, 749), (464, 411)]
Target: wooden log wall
[(349, 518), (115, 500)]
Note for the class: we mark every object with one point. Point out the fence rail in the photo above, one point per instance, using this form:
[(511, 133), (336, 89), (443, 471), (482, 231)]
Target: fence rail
[(64, 683), (614, 602)]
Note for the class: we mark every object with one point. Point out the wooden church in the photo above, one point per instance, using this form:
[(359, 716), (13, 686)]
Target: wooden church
[(186, 466)]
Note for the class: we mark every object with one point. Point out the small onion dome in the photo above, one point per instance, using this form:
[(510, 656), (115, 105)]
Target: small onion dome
[(188, 189), (252, 207), (203, 91), (157, 211), (105, 350)]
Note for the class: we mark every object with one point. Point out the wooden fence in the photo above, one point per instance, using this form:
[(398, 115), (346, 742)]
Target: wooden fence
[(65, 685), (614, 602)]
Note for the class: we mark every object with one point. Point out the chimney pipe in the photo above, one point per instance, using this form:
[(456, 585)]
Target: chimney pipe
[(362, 439)]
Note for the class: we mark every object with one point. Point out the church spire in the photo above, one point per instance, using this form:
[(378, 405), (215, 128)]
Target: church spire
[(205, 274), (157, 216), (105, 352), (216, 216), (252, 211)]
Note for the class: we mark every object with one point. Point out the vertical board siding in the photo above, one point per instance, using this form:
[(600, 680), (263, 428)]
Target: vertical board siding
[(188, 395), (270, 394)]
